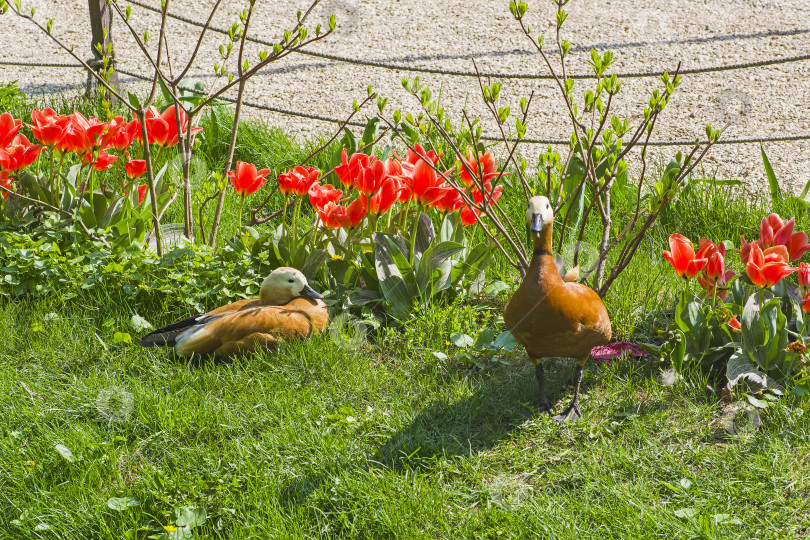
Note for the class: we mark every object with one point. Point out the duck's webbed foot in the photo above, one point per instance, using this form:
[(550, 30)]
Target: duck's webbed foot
[(572, 413)]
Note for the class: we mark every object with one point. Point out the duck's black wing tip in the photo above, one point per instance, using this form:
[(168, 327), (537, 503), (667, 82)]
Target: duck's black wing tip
[(166, 336)]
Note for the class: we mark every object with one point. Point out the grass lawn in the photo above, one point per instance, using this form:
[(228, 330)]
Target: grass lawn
[(322, 440), (334, 439)]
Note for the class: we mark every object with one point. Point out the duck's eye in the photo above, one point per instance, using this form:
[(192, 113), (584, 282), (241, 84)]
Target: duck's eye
[(289, 281)]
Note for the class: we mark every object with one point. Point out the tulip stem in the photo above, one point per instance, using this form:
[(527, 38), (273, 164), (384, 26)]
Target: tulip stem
[(58, 171), (241, 205), (415, 230), (284, 216), (296, 216), (404, 219)]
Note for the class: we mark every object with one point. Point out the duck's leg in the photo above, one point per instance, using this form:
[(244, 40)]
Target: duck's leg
[(545, 406), (572, 413)]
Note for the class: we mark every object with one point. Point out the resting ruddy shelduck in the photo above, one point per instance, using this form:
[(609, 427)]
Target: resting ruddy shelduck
[(551, 316), (287, 307)]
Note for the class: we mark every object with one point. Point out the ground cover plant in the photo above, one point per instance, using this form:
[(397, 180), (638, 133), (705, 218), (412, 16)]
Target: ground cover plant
[(415, 416)]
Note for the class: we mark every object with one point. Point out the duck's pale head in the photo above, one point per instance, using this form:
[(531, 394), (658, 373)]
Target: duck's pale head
[(283, 285), (539, 215)]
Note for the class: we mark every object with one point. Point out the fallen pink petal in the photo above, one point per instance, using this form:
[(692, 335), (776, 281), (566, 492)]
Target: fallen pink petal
[(614, 351)]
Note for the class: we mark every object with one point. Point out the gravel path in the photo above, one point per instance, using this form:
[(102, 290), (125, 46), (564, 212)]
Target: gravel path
[(447, 34)]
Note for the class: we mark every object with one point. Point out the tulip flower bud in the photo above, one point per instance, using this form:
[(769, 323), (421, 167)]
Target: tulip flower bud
[(804, 279)]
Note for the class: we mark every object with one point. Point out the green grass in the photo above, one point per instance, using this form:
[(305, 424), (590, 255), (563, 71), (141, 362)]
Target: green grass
[(326, 440), (385, 442)]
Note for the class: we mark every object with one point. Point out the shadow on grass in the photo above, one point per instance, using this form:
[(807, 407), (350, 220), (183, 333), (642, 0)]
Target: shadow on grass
[(500, 401)]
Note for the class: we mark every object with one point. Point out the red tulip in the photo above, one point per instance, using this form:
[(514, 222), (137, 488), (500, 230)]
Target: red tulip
[(104, 161), (715, 255), (297, 180), (469, 214), (320, 196), (412, 157), (714, 275), (407, 168), (766, 271), (111, 131), (773, 231), (385, 198), (450, 202), (141, 193), (351, 169), (47, 126), (393, 168), (734, 324), (5, 183), (333, 216), (804, 278), (9, 126), (426, 186), (488, 168), (19, 155), (682, 257), (170, 117), (157, 129), (356, 212), (74, 135), (123, 139), (806, 303), (135, 168), (370, 178), (95, 130), (247, 180)]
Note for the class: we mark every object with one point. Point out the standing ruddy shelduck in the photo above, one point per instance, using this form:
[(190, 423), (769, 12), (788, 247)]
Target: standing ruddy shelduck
[(551, 316), (287, 307)]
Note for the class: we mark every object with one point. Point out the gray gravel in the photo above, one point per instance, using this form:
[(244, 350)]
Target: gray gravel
[(759, 102)]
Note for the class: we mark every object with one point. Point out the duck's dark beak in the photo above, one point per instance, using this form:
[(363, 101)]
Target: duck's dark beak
[(309, 291), (537, 223)]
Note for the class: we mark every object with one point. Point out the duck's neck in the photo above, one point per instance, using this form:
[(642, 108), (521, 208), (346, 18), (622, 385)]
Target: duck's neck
[(269, 297), (542, 241)]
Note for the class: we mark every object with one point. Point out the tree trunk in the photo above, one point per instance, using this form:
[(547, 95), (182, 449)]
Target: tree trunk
[(101, 28)]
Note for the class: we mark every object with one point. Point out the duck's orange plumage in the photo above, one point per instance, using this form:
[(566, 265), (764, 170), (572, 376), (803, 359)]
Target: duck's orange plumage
[(550, 316), (287, 308)]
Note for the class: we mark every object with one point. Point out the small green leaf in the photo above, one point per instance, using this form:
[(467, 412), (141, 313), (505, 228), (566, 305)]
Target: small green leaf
[(139, 324), (190, 517), (65, 452), (133, 100), (773, 183), (461, 340), (685, 512), (505, 340), (484, 339), (121, 503), (758, 403), (122, 337)]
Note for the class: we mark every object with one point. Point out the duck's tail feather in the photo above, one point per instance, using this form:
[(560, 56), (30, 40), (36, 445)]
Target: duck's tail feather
[(571, 275), (167, 336)]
